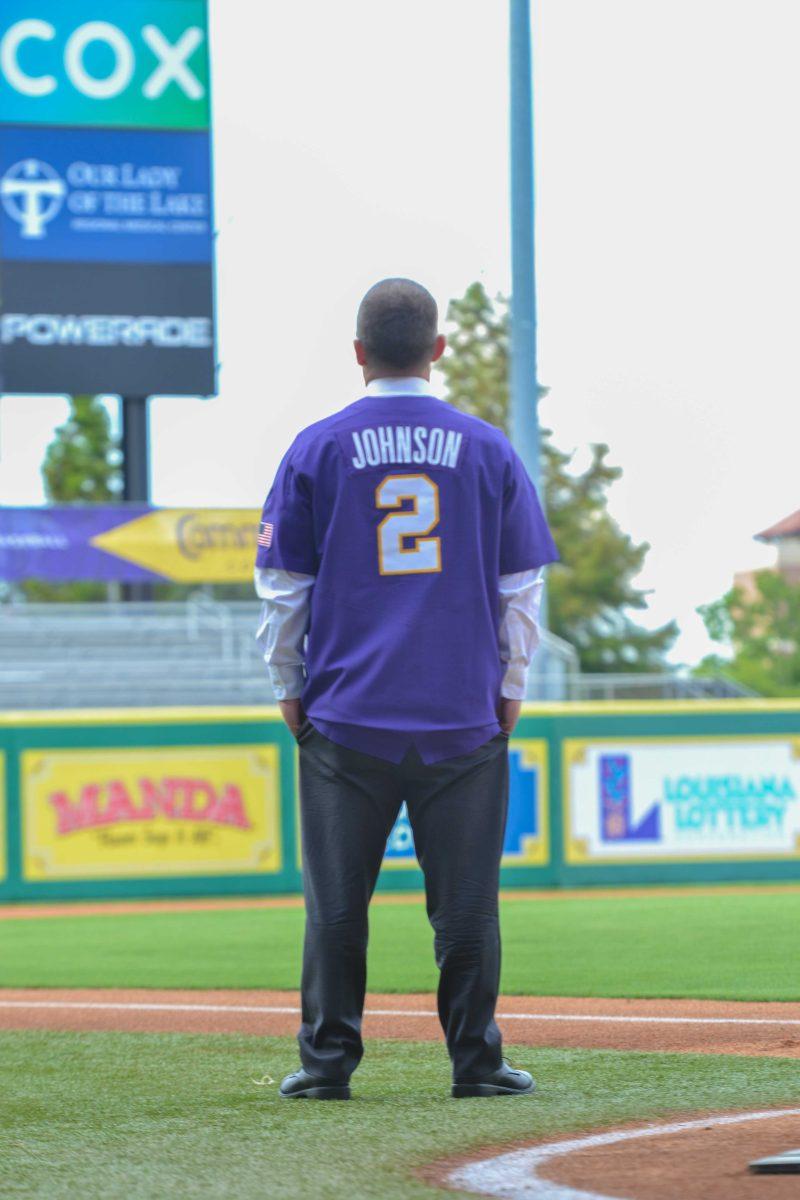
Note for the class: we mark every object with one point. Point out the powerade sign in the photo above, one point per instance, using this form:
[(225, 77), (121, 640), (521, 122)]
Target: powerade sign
[(51, 329), (135, 63), (106, 208), (127, 328), (719, 798)]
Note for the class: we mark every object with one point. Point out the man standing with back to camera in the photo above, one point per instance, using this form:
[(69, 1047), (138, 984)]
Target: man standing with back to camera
[(399, 559)]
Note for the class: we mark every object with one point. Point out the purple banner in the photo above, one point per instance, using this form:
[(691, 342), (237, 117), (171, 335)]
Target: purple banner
[(54, 544), (131, 543)]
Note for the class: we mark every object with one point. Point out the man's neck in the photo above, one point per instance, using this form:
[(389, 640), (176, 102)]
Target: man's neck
[(371, 373)]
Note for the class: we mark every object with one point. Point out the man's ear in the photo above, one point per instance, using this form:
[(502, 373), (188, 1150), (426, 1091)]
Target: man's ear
[(438, 347), (361, 354)]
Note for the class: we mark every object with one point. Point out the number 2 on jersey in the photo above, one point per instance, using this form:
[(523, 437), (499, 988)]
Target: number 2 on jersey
[(403, 547)]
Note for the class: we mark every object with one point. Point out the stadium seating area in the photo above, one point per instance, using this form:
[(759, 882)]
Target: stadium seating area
[(86, 655), (204, 652)]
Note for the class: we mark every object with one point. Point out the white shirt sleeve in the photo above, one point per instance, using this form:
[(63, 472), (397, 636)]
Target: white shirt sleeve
[(282, 630), (520, 600)]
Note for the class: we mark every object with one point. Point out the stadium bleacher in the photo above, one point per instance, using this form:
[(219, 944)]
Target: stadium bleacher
[(203, 652)]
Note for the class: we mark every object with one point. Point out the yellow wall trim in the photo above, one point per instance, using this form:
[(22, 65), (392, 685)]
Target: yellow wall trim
[(611, 708), (202, 715), (139, 716), (270, 712)]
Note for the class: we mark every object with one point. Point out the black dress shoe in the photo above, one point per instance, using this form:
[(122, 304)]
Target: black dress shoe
[(302, 1086), (503, 1082)]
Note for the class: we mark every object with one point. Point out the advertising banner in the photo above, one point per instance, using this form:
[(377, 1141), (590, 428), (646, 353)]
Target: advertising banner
[(87, 62), (676, 799), (676, 793), (527, 840), (125, 813), (128, 544), (3, 820), (100, 195), (107, 327), (106, 207)]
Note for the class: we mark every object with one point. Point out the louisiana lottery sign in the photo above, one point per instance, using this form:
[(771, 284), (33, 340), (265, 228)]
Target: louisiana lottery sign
[(677, 799), (106, 217)]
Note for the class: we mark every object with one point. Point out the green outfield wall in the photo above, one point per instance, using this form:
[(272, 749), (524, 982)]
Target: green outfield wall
[(201, 801)]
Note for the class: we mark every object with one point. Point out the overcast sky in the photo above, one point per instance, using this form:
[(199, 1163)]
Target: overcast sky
[(358, 139)]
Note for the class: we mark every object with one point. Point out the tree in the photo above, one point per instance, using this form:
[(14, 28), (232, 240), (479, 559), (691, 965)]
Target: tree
[(763, 630), (476, 362), (591, 589), (82, 465)]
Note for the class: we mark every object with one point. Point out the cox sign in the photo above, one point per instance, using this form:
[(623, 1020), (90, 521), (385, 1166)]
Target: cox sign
[(70, 65)]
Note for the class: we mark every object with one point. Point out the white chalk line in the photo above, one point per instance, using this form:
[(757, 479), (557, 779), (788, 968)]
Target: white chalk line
[(289, 1010), (514, 1175)]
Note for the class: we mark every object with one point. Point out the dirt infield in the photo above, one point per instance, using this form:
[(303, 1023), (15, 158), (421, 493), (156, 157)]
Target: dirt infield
[(712, 1162), (697, 1158), (667, 1026)]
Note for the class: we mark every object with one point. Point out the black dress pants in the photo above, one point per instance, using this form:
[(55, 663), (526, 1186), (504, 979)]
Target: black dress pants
[(349, 802)]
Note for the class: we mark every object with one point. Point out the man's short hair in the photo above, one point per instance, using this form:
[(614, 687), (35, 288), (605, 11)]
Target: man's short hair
[(397, 324)]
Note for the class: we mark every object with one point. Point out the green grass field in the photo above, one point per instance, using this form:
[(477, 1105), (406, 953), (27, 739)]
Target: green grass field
[(151, 1117), (740, 946), (169, 1117)]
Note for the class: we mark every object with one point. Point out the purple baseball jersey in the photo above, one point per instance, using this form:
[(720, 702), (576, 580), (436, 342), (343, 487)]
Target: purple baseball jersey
[(407, 511)]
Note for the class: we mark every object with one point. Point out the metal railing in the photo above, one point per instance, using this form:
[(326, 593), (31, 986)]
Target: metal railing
[(633, 686)]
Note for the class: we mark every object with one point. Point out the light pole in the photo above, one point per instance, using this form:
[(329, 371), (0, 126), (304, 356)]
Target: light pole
[(524, 381), (524, 386), (136, 470)]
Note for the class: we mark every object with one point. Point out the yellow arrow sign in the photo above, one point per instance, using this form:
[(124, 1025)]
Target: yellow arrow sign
[(188, 545)]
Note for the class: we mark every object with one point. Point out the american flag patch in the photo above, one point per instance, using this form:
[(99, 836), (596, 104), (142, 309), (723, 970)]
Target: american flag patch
[(265, 532)]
